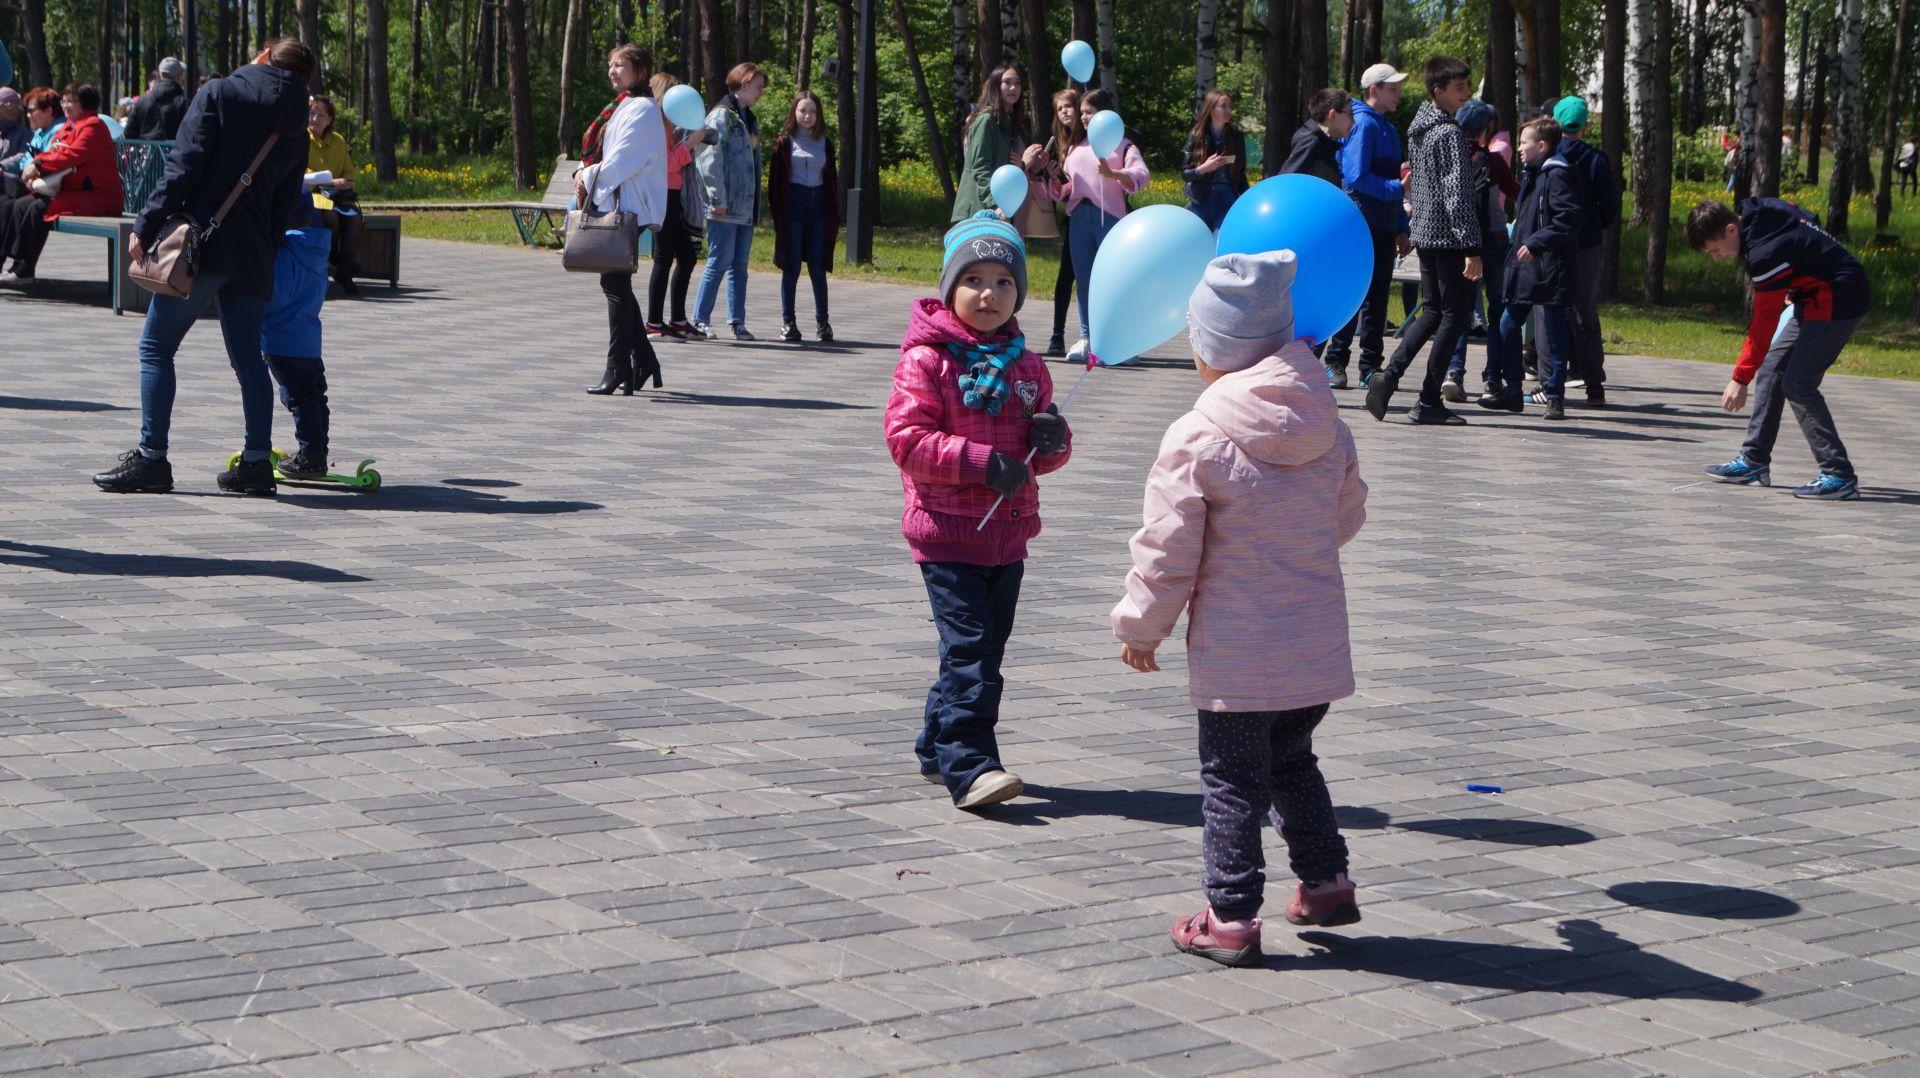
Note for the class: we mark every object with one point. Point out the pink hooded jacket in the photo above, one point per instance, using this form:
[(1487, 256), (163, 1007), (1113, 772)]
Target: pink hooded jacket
[(942, 446), (1254, 493)]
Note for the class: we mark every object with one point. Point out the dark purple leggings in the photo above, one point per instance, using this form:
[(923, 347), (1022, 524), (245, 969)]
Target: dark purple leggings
[(1252, 762)]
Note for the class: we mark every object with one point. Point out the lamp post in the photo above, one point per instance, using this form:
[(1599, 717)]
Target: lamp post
[(862, 202)]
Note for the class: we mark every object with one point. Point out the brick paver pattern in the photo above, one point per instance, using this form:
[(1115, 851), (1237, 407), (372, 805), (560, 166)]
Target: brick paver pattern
[(586, 743)]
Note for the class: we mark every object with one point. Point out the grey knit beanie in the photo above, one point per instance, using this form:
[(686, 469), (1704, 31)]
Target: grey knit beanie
[(1242, 311)]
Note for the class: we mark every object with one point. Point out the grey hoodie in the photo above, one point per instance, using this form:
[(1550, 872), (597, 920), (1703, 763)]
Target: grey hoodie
[(1442, 184)]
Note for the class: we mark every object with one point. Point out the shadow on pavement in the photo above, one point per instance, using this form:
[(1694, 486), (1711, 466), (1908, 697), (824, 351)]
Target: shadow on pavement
[(1889, 494), (1520, 832), (90, 563), (1596, 960), (461, 481), (1704, 900), (1061, 802), (421, 499), (52, 404), (669, 396)]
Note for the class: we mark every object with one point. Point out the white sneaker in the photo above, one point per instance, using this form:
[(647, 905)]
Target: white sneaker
[(704, 329), (1078, 353), (15, 280), (1452, 390), (1576, 383), (991, 788)]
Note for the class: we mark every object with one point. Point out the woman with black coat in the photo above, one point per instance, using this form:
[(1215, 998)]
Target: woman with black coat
[(225, 129), (1214, 161), (803, 185)]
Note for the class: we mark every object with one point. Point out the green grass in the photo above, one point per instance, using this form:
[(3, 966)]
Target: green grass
[(1702, 319)]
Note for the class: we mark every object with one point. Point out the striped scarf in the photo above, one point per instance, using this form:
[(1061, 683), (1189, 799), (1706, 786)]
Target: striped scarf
[(984, 386), (597, 130)]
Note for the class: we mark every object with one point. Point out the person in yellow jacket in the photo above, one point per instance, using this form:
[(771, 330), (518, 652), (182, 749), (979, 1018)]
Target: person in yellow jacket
[(327, 152)]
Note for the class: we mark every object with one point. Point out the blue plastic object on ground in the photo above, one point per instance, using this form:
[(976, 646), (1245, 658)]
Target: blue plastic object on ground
[(1477, 788)]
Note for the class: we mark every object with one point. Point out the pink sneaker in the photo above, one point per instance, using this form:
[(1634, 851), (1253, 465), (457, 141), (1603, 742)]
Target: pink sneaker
[(1327, 905), (1230, 943)]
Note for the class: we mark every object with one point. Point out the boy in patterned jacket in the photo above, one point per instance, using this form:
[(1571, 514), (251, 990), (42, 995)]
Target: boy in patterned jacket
[(972, 419)]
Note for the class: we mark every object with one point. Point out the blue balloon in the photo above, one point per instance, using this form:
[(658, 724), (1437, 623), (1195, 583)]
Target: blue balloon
[(1323, 228), (1077, 58), (683, 106), (1147, 268), (1009, 187), (1105, 131)]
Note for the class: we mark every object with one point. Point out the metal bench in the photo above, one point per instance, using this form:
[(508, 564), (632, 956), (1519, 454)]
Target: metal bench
[(528, 217)]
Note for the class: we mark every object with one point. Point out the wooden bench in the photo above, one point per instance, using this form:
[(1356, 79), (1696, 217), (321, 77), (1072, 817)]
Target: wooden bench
[(141, 166), (528, 217)]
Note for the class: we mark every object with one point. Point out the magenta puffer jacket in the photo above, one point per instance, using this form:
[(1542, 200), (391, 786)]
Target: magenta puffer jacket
[(942, 446)]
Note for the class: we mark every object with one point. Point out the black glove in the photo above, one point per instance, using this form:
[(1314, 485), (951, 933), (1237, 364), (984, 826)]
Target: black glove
[(1048, 432), (1006, 475)]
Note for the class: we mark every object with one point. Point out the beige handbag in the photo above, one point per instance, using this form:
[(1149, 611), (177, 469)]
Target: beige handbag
[(173, 262), (601, 242)]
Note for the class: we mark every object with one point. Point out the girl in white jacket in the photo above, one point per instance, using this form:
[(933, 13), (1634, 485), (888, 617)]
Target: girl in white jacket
[(631, 173)]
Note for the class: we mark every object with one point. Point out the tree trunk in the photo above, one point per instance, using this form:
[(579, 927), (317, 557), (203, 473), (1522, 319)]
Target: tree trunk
[(1696, 69), (1646, 65), (742, 31), (695, 58), (569, 56), (1658, 164), (986, 19), (1040, 61), (1746, 98), (1543, 49), (1206, 52), (1282, 89), (1366, 53), (1890, 134), (353, 56), (1800, 86), (809, 20), (1010, 35), (414, 131), (222, 36), (713, 43), (1846, 119), (379, 93), (519, 92), (846, 40), (1613, 121), (1817, 113), (1239, 30), (1312, 46), (963, 87), (1771, 80), (936, 142), (309, 35), (1103, 14), (1502, 90), (33, 27), (1086, 23), (1349, 10)]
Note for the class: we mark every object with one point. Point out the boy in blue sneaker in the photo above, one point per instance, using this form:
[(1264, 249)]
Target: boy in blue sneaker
[(290, 339), (1790, 258)]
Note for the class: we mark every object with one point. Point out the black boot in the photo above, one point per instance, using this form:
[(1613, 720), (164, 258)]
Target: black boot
[(789, 332), (617, 377), (823, 332)]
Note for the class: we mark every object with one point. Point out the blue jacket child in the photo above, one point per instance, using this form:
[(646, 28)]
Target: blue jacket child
[(290, 339)]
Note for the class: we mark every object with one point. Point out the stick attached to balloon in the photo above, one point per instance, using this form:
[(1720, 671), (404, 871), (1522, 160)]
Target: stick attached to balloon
[(1137, 291)]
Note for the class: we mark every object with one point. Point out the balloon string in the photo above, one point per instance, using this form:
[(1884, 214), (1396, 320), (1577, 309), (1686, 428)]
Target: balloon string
[(1028, 459)]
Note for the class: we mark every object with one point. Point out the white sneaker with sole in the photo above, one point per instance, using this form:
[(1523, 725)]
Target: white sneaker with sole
[(991, 788)]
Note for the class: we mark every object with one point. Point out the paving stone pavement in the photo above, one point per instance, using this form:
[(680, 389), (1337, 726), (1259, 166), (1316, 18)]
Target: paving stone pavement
[(584, 745)]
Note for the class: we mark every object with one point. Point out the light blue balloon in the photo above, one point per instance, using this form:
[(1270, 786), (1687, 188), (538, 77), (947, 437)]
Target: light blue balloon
[(1009, 187), (1105, 131), (1147, 268), (1077, 58), (683, 106), (1323, 228)]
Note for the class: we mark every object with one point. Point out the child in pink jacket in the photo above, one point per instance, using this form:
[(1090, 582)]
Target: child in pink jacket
[(969, 403), (1253, 495)]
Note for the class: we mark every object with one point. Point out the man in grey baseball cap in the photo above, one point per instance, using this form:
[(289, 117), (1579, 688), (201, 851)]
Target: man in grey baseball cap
[(1370, 173), (156, 116)]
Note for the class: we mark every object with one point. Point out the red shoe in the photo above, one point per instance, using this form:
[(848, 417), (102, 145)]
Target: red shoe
[(1230, 943), (1328, 905)]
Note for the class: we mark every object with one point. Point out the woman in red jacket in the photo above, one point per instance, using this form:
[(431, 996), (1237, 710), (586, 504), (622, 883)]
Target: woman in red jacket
[(83, 150)]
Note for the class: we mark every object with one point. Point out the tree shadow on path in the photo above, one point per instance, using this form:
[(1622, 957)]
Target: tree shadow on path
[(90, 563), (54, 404), (1596, 960), (421, 499)]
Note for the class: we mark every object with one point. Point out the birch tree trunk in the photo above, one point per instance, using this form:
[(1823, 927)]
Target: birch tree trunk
[(1746, 98), (1206, 51), (1103, 13), (1696, 68), (1613, 120), (569, 55), (1643, 55), (1010, 33), (1658, 164), (519, 92), (1890, 134), (1846, 119), (1771, 90)]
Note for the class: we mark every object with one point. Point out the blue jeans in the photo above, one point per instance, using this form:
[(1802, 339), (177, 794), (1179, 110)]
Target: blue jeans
[(303, 389), (806, 227), (1213, 205), (973, 607), (168, 320), (1087, 226), (1553, 368), (728, 245), (1491, 288)]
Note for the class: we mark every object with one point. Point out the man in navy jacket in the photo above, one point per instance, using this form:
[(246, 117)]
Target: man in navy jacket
[(1602, 202), (1370, 172)]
